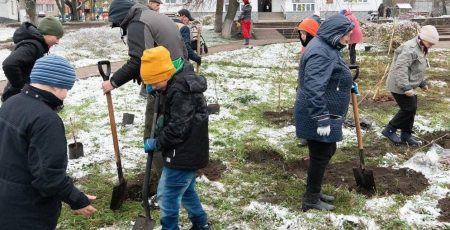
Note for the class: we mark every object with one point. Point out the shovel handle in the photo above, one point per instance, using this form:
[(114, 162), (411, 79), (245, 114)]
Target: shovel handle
[(112, 120), (355, 67), (358, 129)]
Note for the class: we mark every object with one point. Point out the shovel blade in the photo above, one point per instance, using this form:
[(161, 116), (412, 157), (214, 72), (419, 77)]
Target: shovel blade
[(143, 223), (364, 179), (118, 195)]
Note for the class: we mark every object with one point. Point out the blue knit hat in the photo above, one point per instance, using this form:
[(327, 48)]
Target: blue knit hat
[(53, 71)]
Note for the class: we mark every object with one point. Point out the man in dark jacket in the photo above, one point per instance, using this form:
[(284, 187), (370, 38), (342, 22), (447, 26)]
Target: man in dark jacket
[(31, 43), (322, 103), (184, 17), (145, 29), (182, 136), (33, 151)]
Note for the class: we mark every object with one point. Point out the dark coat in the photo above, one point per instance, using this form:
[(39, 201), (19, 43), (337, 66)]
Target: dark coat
[(184, 135), (325, 82), (146, 29), (33, 162), (185, 32), (29, 46), (246, 13)]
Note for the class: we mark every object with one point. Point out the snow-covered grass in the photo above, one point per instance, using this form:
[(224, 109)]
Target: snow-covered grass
[(248, 196)]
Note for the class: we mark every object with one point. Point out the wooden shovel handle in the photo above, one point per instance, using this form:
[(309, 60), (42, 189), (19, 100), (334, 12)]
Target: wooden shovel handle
[(112, 122)]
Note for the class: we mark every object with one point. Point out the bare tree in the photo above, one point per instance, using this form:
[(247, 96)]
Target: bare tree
[(219, 15), (30, 8), (62, 12), (229, 18)]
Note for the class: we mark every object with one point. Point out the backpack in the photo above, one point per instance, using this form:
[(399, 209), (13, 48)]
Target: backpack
[(203, 46), (196, 29)]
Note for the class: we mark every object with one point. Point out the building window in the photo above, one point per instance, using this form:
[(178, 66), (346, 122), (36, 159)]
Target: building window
[(302, 7), (40, 7), (356, 1), (49, 7)]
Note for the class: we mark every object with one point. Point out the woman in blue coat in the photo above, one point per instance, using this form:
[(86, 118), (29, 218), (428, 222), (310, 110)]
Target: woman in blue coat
[(322, 103)]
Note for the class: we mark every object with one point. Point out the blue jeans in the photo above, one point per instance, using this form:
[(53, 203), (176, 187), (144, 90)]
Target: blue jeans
[(177, 187)]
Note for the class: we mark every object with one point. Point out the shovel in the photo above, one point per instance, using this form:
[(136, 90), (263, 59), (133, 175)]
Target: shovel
[(145, 222), (119, 190), (364, 178)]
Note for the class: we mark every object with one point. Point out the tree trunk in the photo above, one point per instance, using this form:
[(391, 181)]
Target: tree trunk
[(60, 5), (30, 8), (219, 15), (229, 18), (22, 11), (444, 7)]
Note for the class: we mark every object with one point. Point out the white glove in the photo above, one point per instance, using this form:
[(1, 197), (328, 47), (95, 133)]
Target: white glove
[(324, 131)]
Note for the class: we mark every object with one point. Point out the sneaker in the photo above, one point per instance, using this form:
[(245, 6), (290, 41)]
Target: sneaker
[(408, 139), (390, 133)]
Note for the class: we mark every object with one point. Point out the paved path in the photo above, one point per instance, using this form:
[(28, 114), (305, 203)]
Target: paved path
[(88, 71)]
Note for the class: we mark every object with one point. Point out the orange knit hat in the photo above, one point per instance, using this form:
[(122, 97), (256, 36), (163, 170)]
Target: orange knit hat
[(156, 65), (309, 25)]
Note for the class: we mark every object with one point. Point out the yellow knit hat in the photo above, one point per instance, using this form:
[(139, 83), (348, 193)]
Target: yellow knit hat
[(156, 65)]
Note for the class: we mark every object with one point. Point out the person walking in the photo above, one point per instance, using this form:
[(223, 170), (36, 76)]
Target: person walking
[(245, 19), (322, 101), (184, 18), (145, 29), (33, 151), (405, 75), (356, 37), (31, 43), (182, 135)]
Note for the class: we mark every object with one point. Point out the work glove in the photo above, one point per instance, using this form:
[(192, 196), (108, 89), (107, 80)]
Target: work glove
[(199, 62), (149, 88), (150, 145), (324, 131), (138, 80), (355, 88)]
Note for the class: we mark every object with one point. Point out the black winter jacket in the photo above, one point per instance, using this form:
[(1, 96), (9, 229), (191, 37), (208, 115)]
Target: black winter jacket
[(146, 29), (184, 138), (29, 46), (33, 162)]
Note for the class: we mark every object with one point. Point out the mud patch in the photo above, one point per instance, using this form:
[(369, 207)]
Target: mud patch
[(283, 118), (134, 187), (378, 102), (444, 205), (441, 138), (213, 170), (388, 181), (265, 157)]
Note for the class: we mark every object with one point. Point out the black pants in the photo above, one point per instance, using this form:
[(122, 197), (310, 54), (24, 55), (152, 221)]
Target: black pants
[(352, 53), (404, 119), (320, 154)]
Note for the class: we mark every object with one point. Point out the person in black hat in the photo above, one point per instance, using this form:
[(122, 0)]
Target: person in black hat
[(184, 18), (31, 43), (154, 5)]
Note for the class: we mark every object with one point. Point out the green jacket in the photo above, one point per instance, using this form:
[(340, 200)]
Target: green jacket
[(407, 68)]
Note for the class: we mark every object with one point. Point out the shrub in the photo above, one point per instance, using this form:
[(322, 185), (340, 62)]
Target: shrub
[(380, 34)]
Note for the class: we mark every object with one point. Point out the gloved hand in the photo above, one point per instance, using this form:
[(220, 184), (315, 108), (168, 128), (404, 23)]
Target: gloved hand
[(355, 89), (138, 80), (199, 62), (324, 131), (149, 88), (150, 145)]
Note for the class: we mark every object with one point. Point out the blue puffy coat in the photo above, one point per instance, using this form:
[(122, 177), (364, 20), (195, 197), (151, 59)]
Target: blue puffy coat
[(324, 82)]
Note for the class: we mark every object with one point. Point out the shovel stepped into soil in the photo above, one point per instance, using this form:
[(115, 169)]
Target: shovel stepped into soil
[(364, 178), (118, 194)]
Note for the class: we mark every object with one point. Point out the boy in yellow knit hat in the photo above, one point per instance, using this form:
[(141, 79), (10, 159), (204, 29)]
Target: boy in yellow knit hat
[(182, 137)]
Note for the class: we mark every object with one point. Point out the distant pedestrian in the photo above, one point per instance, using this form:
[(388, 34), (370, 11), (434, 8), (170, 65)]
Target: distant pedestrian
[(182, 135), (322, 103), (406, 73), (31, 43), (356, 37), (33, 151), (381, 10), (184, 18), (245, 19)]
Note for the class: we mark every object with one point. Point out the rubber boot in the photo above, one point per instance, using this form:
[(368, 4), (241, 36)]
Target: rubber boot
[(327, 198), (246, 42), (198, 227), (408, 139), (313, 201), (390, 132)]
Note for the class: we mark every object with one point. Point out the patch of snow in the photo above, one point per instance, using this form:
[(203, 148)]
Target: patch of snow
[(4, 53), (437, 83), (6, 33)]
